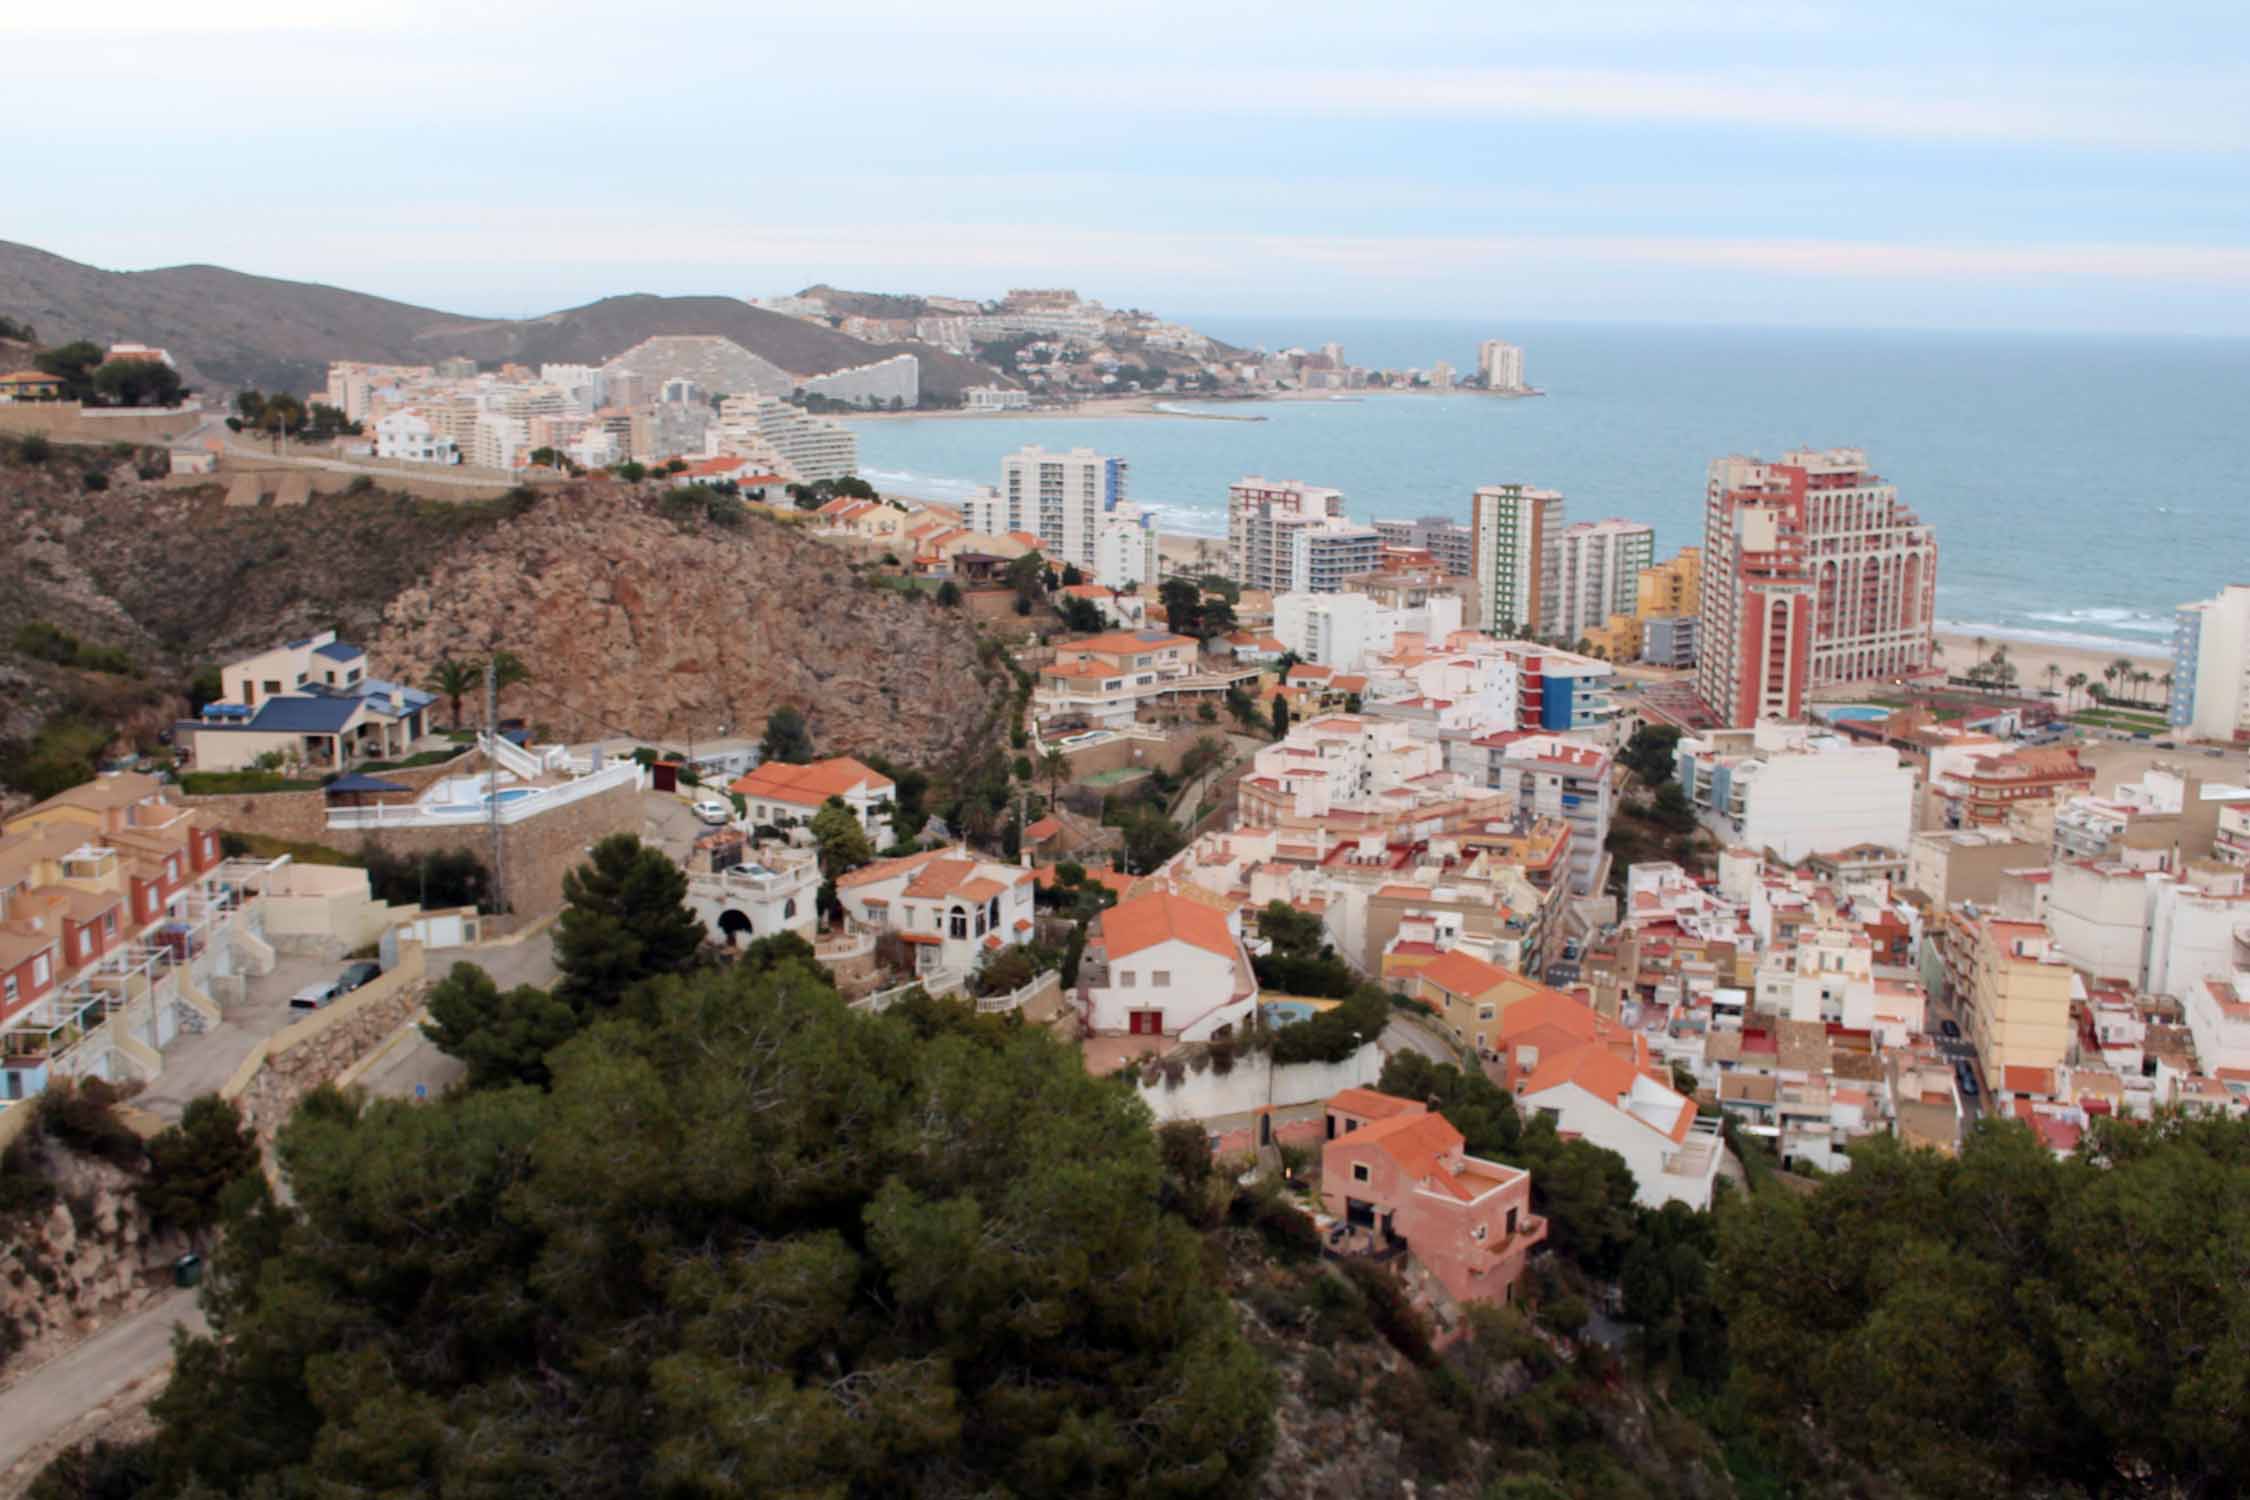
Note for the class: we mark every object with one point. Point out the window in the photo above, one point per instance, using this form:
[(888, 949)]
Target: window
[(1511, 1221), (84, 941), (301, 676), (1477, 1233), (789, 908), (1485, 1013), (40, 969), (1124, 979), (9, 995), (1161, 979), (960, 928), (273, 687), (1360, 1172), (172, 867), (109, 922)]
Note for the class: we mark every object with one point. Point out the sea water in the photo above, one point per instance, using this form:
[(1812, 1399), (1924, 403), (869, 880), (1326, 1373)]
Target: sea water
[(2081, 487)]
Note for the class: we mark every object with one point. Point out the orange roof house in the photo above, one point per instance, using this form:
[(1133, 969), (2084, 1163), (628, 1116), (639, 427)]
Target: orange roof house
[(1392, 1172)]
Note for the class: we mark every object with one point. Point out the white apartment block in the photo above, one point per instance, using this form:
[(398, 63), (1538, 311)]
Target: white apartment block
[(1264, 517), (1061, 498), (885, 382), (2211, 667), (2218, 1017), (994, 398), (1501, 364), (1598, 572), (408, 435), (1797, 791), (500, 441), (806, 448), (1551, 776), (1322, 559), (1348, 630), (1125, 549), (1516, 531)]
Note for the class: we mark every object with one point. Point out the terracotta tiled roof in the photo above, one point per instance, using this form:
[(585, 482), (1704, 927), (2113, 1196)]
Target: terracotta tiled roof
[(1368, 1104), (1420, 1145), (809, 786), (1462, 973), (1145, 921)]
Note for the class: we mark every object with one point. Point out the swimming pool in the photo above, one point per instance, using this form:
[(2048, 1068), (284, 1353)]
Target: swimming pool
[(511, 794), (1855, 712)]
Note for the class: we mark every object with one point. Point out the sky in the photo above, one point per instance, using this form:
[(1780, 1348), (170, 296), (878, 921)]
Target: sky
[(1913, 163)]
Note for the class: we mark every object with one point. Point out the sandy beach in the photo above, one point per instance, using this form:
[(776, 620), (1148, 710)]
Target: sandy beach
[(2031, 659), (1105, 408)]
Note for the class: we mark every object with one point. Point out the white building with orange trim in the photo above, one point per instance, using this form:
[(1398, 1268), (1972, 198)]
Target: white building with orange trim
[(1600, 1083), (955, 909), (780, 794), (1167, 965)]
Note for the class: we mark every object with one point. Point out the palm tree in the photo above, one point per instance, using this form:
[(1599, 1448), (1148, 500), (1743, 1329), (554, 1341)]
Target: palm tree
[(452, 678), (2074, 682), (2165, 682), (2141, 680), (2119, 671), (1055, 766), (2054, 675), (507, 670)]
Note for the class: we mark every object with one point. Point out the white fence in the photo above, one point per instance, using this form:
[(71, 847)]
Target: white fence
[(469, 814), (1253, 1083)]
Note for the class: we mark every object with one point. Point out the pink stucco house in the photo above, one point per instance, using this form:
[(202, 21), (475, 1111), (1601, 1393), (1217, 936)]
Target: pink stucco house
[(1396, 1173)]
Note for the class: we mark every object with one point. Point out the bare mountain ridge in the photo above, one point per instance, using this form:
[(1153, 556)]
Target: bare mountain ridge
[(229, 329)]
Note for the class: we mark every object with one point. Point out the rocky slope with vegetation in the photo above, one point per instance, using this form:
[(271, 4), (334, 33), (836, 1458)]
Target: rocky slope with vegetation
[(631, 616), (665, 617)]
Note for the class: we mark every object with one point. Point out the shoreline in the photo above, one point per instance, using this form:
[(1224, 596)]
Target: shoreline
[(2031, 657)]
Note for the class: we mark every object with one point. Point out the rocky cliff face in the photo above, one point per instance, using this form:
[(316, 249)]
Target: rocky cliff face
[(635, 625), (88, 1258)]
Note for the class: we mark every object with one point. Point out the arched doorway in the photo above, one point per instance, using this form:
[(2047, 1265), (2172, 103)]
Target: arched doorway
[(733, 924)]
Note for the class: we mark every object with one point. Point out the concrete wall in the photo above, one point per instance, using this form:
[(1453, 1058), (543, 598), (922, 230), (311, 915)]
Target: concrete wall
[(68, 422), (1121, 754), (536, 851), (302, 817), (1245, 1087), (321, 1048), (325, 910)]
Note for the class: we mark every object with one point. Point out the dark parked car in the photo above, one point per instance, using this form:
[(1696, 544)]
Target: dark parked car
[(355, 975), (1950, 1028), (1968, 1077)]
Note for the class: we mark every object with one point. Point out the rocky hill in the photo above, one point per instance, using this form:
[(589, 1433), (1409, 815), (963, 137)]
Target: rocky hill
[(229, 329), (629, 622), (633, 623)]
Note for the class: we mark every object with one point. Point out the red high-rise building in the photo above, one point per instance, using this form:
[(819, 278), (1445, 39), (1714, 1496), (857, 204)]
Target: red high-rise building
[(1814, 575)]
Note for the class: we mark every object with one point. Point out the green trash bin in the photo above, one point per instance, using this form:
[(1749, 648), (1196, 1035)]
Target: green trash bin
[(188, 1270)]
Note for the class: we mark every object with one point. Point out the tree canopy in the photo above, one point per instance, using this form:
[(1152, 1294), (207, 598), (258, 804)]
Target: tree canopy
[(626, 921), (2008, 1322), (786, 738), (753, 1244)]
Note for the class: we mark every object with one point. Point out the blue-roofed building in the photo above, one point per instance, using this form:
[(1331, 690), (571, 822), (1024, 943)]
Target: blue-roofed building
[(309, 701)]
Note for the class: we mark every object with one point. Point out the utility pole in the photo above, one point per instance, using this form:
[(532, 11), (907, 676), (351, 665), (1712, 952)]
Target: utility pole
[(492, 775)]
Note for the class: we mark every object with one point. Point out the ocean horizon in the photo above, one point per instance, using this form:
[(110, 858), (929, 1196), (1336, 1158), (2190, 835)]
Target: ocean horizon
[(2081, 486)]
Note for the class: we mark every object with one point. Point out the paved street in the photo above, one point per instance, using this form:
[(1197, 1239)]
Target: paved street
[(51, 1397), (1409, 1034), (667, 823), (200, 1064)]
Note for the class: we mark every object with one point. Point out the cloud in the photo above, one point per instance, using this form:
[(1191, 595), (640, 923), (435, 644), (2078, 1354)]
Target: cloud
[(930, 250), (2175, 113)]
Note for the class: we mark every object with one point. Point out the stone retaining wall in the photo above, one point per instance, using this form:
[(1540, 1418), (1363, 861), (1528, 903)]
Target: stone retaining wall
[(293, 1062), (302, 817)]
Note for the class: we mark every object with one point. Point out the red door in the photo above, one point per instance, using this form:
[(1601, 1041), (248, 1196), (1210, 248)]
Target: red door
[(1145, 1022)]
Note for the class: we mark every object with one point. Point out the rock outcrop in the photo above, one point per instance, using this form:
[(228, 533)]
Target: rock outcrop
[(642, 627), (88, 1258)]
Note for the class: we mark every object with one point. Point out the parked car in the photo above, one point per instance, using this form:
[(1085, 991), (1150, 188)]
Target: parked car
[(355, 975), (1968, 1077), (712, 810), (314, 996), (1950, 1028)]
